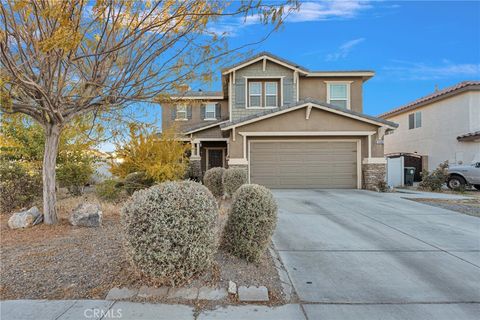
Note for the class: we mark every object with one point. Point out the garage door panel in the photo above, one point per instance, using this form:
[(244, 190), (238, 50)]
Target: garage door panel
[(312, 164)]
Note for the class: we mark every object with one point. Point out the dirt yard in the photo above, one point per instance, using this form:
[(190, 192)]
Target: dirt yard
[(66, 262), (466, 206)]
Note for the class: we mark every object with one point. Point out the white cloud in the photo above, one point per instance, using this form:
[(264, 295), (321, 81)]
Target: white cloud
[(221, 29), (309, 11), (344, 50), (325, 10), (447, 69)]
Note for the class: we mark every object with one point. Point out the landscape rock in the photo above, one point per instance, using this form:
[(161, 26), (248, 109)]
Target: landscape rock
[(183, 293), (253, 294), (86, 215), (120, 293), (25, 219), (208, 293), (149, 292), (232, 287)]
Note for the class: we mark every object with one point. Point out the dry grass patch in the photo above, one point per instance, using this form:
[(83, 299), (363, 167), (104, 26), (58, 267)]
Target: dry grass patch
[(66, 262)]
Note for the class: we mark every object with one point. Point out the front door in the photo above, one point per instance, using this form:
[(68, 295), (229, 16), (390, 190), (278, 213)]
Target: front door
[(215, 158)]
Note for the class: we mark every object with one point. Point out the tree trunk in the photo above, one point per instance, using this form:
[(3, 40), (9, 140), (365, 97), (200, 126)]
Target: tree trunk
[(52, 137)]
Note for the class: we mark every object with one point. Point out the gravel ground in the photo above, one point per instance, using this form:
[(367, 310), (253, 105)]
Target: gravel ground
[(66, 262), (468, 206)]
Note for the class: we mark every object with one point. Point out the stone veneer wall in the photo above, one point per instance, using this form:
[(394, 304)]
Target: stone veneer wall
[(372, 174)]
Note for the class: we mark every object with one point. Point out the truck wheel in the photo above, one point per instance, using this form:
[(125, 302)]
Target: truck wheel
[(477, 186), (456, 182)]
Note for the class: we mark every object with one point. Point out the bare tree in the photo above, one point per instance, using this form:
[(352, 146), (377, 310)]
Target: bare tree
[(64, 58)]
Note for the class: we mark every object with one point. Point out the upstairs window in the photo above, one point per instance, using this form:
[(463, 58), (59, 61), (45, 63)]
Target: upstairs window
[(181, 112), (210, 111), (255, 94), (271, 94), (338, 94), (415, 120)]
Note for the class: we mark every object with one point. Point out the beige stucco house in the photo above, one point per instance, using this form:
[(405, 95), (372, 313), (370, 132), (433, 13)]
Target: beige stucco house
[(289, 127), (444, 125)]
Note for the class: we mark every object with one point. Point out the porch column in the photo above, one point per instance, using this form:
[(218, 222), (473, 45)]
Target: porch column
[(195, 170)]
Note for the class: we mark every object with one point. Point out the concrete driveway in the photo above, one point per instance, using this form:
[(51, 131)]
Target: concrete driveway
[(353, 254)]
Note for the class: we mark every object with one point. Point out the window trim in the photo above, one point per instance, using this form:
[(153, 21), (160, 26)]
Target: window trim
[(255, 95), (416, 115), (262, 79), (177, 112), (271, 95), (348, 98), (214, 111)]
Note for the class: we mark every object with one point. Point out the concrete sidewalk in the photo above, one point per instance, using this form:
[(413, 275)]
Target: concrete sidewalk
[(103, 309)]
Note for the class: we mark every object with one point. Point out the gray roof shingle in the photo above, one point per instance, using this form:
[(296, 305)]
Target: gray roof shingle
[(293, 64), (201, 125), (200, 93), (304, 101)]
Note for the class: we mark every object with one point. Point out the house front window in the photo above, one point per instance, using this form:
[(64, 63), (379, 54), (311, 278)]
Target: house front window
[(338, 94), (181, 112), (263, 93), (255, 94), (210, 111), (271, 94), (415, 120)]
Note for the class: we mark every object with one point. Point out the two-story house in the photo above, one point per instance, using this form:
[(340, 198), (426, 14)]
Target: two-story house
[(289, 127), (444, 125)]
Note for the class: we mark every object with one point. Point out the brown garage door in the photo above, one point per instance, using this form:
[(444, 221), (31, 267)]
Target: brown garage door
[(304, 164)]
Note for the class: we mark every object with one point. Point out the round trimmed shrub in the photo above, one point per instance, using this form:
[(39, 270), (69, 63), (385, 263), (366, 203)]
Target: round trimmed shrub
[(233, 179), (213, 180), (168, 231), (137, 181), (251, 223)]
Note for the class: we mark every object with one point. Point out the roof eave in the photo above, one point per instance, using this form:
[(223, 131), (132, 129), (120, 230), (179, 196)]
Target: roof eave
[(207, 126), (198, 98), (363, 74), (388, 124), (411, 107), (254, 60)]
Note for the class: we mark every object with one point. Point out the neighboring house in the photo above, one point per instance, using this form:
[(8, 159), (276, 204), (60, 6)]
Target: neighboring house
[(289, 127), (444, 125)]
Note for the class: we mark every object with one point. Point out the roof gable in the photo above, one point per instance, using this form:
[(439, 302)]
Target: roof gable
[(268, 56), (312, 103)]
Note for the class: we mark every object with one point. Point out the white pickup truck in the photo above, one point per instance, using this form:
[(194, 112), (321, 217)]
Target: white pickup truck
[(460, 176)]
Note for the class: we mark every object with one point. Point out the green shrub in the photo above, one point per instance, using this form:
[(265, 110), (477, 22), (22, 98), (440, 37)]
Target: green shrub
[(137, 181), (74, 175), (109, 190), (251, 223), (233, 179), (213, 180), (18, 187), (169, 231), (433, 181)]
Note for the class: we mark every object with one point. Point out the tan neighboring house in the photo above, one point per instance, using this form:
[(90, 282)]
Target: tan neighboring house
[(289, 127), (444, 125)]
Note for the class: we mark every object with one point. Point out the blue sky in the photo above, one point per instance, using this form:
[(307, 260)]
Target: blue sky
[(411, 45)]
